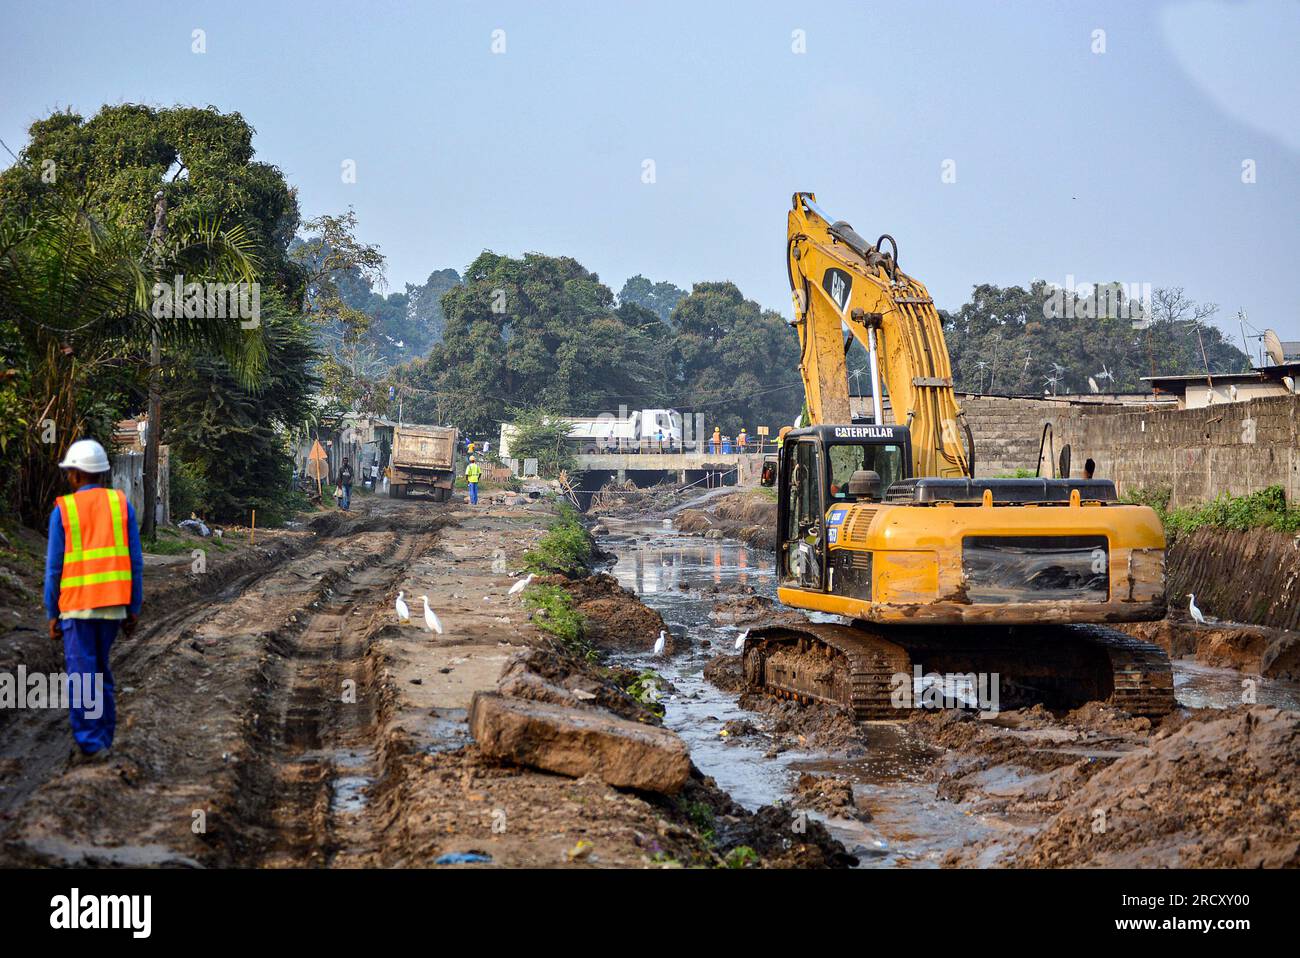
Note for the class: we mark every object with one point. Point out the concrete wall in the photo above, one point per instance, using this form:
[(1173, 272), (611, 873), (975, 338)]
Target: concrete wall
[(128, 475), (1198, 453)]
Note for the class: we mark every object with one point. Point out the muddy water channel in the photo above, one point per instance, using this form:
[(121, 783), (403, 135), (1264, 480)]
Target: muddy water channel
[(893, 771)]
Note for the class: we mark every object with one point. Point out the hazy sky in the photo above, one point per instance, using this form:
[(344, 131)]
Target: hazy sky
[(1124, 165)]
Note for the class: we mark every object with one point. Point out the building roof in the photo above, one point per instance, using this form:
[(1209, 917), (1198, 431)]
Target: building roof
[(1260, 374)]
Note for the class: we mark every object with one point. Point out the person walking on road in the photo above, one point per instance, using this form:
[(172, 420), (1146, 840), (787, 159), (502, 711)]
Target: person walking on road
[(345, 480), (94, 586), (472, 476)]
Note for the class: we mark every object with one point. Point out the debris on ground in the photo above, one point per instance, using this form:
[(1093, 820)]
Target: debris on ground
[(578, 742)]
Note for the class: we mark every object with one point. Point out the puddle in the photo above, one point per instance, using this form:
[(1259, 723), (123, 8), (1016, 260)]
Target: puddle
[(1202, 686), (348, 794), (80, 855), (445, 730)]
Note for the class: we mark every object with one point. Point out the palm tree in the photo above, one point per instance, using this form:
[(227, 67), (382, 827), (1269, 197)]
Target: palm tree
[(75, 294)]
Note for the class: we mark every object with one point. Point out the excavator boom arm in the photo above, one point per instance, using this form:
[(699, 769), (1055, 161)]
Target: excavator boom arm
[(840, 281)]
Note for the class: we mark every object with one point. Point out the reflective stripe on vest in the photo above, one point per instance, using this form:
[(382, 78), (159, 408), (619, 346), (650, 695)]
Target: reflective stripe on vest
[(96, 556)]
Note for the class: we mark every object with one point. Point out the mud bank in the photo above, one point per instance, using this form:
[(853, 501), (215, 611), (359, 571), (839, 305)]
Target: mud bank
[(1254, 649), (1249, 577), (748, 516), (1094, 787), (1205, 790)]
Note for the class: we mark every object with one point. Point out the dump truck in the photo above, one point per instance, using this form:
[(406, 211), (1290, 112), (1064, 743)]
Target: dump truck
[(424, 460)]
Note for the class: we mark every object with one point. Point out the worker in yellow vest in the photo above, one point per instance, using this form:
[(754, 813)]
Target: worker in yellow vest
[(94, 568), (472, 476)]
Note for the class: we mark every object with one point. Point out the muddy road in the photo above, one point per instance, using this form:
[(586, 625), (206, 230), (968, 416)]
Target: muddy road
[(269, 708), (272, 712), (245, 697)]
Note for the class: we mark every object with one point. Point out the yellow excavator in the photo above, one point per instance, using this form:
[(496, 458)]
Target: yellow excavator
[(941, 574)]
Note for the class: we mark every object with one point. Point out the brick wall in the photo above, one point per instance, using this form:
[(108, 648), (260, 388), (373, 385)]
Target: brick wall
[(1198, 453)]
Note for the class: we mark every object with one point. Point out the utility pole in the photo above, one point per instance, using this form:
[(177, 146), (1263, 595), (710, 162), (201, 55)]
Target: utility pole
[(153, 437)]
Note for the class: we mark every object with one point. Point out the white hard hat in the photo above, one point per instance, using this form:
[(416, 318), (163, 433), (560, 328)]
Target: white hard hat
[(86, 455)]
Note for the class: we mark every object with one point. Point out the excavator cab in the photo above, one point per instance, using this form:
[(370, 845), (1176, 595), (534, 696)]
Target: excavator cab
[(823, 467)]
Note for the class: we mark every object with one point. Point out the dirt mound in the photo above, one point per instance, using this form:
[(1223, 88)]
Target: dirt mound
[(546, 675), (614, 618), (1219, 791), (724, 671), (692, 521), (1248, 648), (749, 517), (747, 508), (807, 726), (783, 839), (828, 795), (754, 610)]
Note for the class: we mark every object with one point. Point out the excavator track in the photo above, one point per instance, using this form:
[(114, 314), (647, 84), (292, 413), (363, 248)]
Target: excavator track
[(864, 666)]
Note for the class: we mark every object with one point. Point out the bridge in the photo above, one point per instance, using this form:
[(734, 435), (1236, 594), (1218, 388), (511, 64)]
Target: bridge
[(647, 468)]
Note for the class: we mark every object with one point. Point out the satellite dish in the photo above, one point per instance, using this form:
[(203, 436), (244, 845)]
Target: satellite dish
[(1273, 346)]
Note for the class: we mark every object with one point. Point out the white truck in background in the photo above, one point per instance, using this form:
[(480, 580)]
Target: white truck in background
[(641, 430)]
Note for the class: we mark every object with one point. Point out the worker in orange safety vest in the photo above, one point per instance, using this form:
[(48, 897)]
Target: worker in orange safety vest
[(94, 568)]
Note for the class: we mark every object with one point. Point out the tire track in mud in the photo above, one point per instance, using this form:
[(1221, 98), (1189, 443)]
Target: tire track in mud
[(39, 740), (314, 733), (253, 662)]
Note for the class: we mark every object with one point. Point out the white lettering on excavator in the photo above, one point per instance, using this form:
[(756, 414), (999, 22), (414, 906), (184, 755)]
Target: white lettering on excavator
[(864, 432)]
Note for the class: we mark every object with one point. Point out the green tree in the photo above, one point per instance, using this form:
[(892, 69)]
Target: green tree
[(737, 363), (234, 435), (77, 295), (659, 298), (542, 436), (227, 216), (540, 330), (1018, 341)]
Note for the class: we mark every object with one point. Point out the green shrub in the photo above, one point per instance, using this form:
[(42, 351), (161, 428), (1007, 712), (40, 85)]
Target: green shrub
[(647, 688), (1266, 509), (555, 615), (187, 490), (565, 549), (742, 856)]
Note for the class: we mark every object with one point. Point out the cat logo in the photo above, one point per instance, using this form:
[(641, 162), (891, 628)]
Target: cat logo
[(837, 283)]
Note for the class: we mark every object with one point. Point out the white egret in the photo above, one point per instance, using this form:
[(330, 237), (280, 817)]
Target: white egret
[(431, 619)]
